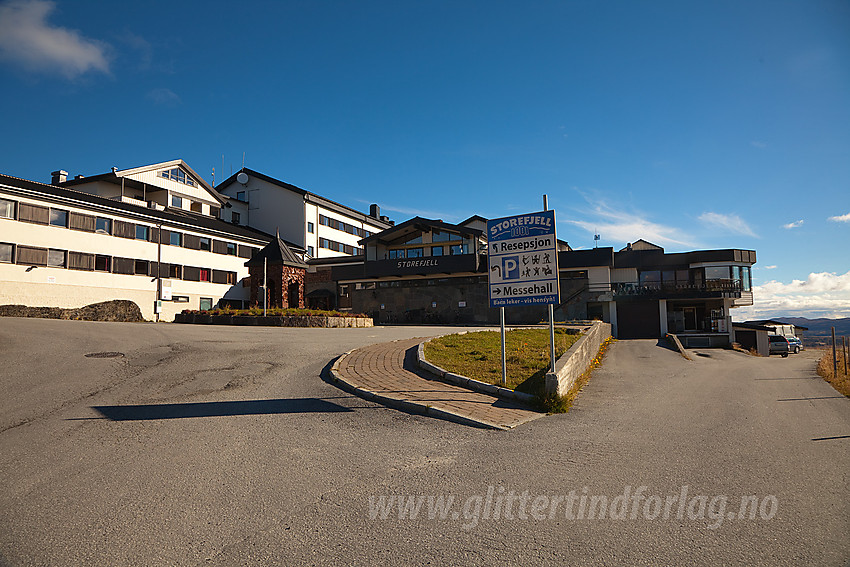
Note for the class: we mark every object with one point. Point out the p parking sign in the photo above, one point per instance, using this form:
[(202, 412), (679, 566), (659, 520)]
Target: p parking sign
[(523, 260)]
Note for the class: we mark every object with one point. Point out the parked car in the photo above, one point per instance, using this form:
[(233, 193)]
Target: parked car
[(779, 345), (795, 344)]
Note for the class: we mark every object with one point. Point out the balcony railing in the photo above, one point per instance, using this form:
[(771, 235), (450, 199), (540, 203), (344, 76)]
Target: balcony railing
[(709, 288)]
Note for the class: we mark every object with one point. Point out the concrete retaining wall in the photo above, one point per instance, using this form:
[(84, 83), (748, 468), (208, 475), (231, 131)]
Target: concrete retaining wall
[(577, 359)]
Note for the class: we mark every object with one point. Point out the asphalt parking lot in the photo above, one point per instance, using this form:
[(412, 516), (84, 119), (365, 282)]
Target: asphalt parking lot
[(224, 446)]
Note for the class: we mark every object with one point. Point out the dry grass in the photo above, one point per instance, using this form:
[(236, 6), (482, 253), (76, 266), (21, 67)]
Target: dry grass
[(479, 356), (840, 382)]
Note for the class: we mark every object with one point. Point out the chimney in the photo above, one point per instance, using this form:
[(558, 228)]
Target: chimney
[(374, 211), (58, 177)]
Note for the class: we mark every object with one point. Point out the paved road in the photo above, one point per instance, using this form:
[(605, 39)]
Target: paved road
[(222, 446)]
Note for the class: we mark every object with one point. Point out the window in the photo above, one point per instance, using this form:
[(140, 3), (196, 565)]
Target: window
[(310, 227), (7, 209), (231, 278), (33, 213), (178, 175), (650, 277), (175, 271), (196, 207), (311, 251), (393, 254), (205, 244), (235, 217), (102, 263), (414, 253), (176, 201), (215, 212), (142, 232), (140, 267), (6, 252), (436, 251), (205, 275), (440, 236), (717, 273), (240, 195), (55, 258), (31, 256), (205, 304), (103, 225), (745, 278), (231, 249), (80, 261), (410, 239), (58, 217), (175, 238), (457, 249)]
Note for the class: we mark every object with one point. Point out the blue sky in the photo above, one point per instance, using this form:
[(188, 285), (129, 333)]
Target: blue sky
[(689, 124)]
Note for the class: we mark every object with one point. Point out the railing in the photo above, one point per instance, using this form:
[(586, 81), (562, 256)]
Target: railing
[(717, 288)]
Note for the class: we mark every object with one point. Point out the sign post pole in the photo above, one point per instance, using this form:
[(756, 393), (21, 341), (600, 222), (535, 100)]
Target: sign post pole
[(551, 306), (504, 361)]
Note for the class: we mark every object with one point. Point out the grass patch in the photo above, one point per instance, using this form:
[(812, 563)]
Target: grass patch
[(840, 382), (479, 355)]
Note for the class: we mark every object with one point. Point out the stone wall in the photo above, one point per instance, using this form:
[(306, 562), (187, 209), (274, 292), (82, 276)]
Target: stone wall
[(118, 310), (577, 359)]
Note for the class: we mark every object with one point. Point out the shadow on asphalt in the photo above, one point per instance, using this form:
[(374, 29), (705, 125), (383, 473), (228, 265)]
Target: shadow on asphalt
[(218, 409)]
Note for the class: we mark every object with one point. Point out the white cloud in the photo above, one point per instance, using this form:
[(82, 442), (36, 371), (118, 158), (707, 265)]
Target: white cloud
[(840, 218), (795, 224), (730, 223), (757, 144), (622, 226), (164, 96), (823, 294), (771, 267), (28, 40)]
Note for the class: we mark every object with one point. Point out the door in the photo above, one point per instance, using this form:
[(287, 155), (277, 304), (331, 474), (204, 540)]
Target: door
[(638, 320), (690, 318)]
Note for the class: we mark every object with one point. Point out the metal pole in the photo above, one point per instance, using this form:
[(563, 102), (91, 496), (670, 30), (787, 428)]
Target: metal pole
[(158, 267), (834, 357), (265, 289), (504, 363), (551, 309), (844, 352)]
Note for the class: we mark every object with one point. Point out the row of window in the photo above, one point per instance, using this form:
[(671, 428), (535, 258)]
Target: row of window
[(453, 250), (436, 236), (56, 258), (696, 276), (336, 247), (340, 225), (77, 221), (345, 289), (178, 175)]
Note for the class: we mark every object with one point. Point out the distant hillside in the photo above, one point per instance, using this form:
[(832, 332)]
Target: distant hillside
[(819, 329)]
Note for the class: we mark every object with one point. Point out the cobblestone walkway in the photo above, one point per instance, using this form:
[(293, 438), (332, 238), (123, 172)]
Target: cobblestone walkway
[(387, 373)]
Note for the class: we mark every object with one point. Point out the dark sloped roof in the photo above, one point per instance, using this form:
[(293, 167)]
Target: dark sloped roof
[(416, 224), (197, 221), (277, 252), (308, 196)]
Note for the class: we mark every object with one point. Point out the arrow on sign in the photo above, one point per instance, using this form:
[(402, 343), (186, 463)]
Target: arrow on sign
[(497, 291), (497, 268)]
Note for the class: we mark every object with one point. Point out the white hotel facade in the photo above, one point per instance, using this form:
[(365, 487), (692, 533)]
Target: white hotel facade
[(157, 235)]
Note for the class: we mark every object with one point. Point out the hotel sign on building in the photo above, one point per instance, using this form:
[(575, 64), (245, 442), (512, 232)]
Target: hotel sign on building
[(523, 260)]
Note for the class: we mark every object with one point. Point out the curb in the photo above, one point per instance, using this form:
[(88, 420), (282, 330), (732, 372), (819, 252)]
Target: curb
[(470, 383), (405, 405)]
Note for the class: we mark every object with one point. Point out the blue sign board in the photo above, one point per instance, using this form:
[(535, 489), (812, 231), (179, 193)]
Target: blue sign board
[(523, 260)]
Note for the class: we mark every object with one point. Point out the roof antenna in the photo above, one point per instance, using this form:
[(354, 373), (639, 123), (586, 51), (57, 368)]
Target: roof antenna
[(596, 240), (243, 160)]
